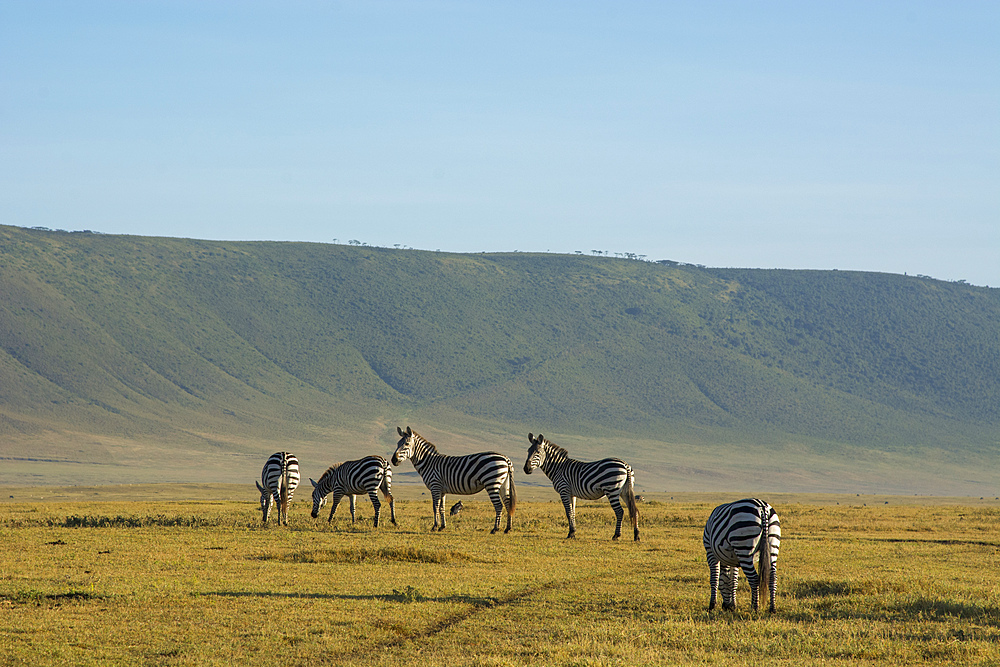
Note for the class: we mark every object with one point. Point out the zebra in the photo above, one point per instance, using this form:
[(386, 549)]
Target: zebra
[(734, 534), (367, 475), (463, 475), (592, 480), (278, 481)]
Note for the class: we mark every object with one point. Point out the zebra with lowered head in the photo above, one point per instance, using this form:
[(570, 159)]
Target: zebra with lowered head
[(735, 534), (278, 481), (589, 480), (462, 475), (367, 475)]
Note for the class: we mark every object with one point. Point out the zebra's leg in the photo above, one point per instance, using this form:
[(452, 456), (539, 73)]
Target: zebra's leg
[(773, 581), (437, 501), (498, 506), (441, 508), (388, 496), (337, 495), (392, 508), (746, 564), (616, 505), (569, 503), (713, 579), (511, 500), (268, 504), (376, 503), (728, 581), (283, 500), (275, 506), (434, 508), (354, 500)]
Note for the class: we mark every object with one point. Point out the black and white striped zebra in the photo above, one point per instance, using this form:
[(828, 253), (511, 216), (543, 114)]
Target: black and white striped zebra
[(734, 534), (278, 481), (367, 475), (591, 480), (462, 475)]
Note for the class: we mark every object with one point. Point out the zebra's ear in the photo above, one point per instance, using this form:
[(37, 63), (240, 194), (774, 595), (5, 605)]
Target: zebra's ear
[(313, 483), (401, 430), (408, 431), (259, 487), (531, 438)]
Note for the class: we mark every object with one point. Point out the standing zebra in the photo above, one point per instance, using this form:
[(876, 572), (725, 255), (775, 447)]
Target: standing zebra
[(734, 534), (278, 481), (463, 475), (574, 479), (367, 475)]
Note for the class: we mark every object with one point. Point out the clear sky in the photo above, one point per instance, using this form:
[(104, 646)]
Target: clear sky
[(807, 134)]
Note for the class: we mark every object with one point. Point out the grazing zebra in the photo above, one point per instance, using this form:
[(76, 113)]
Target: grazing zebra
[(278, 481), (463, 475), (734, 534), (574, 479), (367, 475)]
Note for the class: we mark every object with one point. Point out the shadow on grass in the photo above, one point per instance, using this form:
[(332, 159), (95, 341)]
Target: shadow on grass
[(38, 597), (395, 554), (840, 600), (944, 541), (409, 594)]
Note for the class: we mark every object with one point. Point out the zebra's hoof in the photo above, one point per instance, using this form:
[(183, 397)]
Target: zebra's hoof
[(494, 531), (616, 536)]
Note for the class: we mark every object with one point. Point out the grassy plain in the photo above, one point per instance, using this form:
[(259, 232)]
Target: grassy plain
[(88, 578)]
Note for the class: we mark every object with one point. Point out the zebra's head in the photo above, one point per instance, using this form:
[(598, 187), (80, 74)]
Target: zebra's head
[(404, 448), (536, 453), (265, 502), (319, 499)]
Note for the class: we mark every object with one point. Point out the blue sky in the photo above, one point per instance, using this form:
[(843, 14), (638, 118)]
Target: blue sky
[(847, 135)]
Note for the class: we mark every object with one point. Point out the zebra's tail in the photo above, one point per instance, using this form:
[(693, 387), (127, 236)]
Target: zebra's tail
[(283, 497), (628, 490), (511, 491), (764, 557)]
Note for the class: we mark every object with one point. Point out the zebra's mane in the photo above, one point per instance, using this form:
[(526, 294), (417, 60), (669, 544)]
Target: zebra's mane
[(329, 471), (553, 449), (427, 443)]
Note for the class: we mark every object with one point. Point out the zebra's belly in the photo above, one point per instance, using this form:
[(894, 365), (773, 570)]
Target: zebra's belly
[(462, 490), (355, 490), (587, 494)]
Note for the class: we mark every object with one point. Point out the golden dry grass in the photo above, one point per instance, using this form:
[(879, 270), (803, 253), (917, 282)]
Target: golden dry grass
[(167, 582)]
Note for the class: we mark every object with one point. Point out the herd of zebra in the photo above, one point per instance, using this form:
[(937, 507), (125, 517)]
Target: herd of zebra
[(736, 534)]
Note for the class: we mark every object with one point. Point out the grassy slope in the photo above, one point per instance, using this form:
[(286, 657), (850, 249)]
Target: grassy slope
[(138, 356)]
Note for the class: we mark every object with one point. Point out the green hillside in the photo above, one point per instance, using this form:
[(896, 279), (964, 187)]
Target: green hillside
[(164, 359)]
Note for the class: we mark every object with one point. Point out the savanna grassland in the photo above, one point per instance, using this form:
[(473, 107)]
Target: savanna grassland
[(201, 582)]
